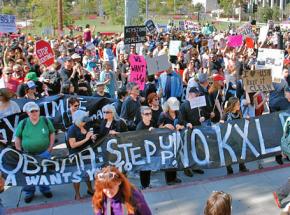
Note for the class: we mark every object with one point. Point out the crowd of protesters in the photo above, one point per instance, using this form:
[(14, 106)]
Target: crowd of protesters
[(94, 64)]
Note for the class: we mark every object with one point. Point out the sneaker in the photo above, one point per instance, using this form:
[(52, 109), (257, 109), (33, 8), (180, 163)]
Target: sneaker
[(47, 194), (277, 199), (243, 168), (198, 171), (28, 199), (279, 160), (260, 166)]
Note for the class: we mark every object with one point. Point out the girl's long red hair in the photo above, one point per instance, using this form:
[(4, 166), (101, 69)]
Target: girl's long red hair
[(125, 188)]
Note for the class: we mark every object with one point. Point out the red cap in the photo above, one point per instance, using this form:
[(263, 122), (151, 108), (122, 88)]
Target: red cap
[(218, 77)]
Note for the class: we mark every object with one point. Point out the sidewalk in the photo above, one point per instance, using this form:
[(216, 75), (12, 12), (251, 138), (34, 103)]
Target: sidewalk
[(251, 192)]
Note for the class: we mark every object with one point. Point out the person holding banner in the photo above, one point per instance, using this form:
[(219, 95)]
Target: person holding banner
[(233, 112), (114, 194), (79, 137), (171, 118), (145, 124), (35, 135), (111, 123)]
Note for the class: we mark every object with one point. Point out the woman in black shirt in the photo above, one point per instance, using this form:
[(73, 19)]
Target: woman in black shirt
[(153, 102), (171, 118), (111, 123), (145, 124), (79, 137)]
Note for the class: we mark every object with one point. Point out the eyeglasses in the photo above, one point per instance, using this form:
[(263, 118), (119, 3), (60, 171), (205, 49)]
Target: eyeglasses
[(107, 175), (147, 114), (34, 111), (107, 112), (76, 106)]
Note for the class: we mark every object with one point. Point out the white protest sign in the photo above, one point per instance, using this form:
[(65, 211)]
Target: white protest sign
[(174, 47), (157, 64), (263, 33), (197, 102), (190, 25), (7, 23), (271, 59)]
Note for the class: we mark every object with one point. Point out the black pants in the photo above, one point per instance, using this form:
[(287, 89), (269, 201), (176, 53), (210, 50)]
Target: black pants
[(145, 178), (170, 175)]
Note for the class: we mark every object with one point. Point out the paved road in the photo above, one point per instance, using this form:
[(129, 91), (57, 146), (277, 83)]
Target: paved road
[(251, 192)]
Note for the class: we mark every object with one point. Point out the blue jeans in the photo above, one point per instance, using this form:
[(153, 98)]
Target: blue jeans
[(29, 190)]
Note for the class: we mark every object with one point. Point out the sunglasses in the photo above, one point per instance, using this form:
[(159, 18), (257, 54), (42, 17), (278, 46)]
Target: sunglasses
[(147, 114), (76, 106), (106, 112), (34, 111), (107, 176)]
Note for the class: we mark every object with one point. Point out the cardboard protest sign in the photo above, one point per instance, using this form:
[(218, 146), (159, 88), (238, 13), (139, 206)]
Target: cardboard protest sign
[(134, 34), (181, 25), (162, 28), (246, 30), (157, 64), (151, 26), (263, 33), (258, 80), (250, 43), (174, 47), (138, 70), (7, 23), (235, 41), (271, 59), (44, 53), (190, 25), (199, 101)]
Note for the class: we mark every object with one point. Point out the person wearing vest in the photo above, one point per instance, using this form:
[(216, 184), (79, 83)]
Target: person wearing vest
[(114, 194), (35, 135)]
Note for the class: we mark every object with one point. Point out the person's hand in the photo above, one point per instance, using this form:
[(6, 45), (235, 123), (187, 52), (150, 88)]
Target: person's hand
[(94, 137), (49, 149), (247, 117), (179, 127), (222, 121), (151, 128), (142, 99), (113, 132), (212, 115), (189, 125), (201, 119), (89, 134), (169, 126)]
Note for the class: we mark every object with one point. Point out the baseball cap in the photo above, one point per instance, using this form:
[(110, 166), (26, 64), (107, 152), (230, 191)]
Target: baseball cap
[(173, 103), (31, 85), (75, 56), (202, 77), (68, 59), (218, 77), (31, 76), (99, 83), (30, 106), (194, 90)]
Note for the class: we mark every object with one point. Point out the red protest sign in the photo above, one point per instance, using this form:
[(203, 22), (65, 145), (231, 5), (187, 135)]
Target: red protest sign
[(250, 43), (44, 53)]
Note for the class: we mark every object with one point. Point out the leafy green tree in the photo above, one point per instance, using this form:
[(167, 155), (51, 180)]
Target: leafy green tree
[(8, 10), (227, 6), (265, 14)]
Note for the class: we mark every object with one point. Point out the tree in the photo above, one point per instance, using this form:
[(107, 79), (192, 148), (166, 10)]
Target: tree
[(227, 6), (265, 14)]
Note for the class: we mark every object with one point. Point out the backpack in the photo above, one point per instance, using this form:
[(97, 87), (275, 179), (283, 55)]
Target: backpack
[(25, 121), (285, 140)]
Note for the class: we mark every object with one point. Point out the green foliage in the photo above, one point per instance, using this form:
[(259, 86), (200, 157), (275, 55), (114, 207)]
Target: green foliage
[(267, 13), (227, 6), (8, 10), (276, 13)]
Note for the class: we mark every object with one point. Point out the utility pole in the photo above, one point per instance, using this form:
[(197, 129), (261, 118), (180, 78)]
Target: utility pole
[(59, 18), (282, 8), (147, 9)]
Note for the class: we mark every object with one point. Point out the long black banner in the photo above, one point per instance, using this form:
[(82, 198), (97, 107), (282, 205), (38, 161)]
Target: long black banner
[(207, 147)]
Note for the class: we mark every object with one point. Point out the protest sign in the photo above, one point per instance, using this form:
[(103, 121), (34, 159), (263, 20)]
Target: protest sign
[(7, 23), (151, 26), (263, 33), (44, 53), (258, 80), (162, 28), (190, 25), (134, 34), (206, 147), (174, 47), (246, 30), (198, 101), (181, 25), (138, 70), (157, 64), (250, 43), (271, 59), (235, 41)]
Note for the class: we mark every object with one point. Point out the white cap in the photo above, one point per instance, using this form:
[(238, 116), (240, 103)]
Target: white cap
[(30, 106)]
